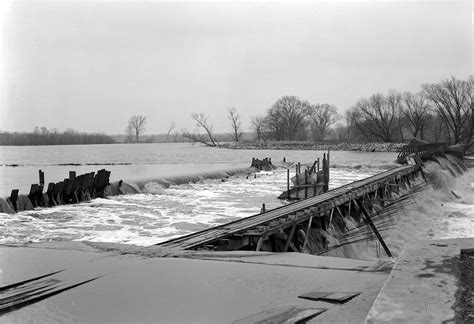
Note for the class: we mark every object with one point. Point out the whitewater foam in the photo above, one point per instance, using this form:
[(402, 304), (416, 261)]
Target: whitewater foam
[(158, 213)]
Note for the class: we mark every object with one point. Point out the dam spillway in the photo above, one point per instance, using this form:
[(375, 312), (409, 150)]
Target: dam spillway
[(275, 229)]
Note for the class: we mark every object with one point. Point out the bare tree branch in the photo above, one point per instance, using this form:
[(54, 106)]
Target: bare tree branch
[(201, 122), (236, 123), (322, 117), (452, 99), (136, 124)]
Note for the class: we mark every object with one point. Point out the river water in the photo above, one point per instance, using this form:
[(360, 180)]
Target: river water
[(162, 212)]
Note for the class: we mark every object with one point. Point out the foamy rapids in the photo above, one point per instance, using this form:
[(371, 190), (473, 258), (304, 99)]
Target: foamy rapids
[(152, 211)]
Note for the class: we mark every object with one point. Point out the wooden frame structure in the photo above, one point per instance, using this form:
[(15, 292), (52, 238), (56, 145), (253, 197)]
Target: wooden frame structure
[(281, 229)]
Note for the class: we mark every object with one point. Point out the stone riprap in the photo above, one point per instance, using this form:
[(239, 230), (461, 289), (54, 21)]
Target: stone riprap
[(368, 147)]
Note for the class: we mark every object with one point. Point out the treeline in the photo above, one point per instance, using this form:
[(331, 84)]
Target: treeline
[(439, 112), (44, 136)]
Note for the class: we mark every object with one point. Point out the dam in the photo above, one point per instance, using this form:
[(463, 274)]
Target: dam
[(318, 212)]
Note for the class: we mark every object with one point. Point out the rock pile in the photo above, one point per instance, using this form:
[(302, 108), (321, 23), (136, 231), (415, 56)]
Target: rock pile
[(342, 146)]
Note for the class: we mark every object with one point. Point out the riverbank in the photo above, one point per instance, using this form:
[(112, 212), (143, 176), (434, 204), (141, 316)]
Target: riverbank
[(323, 146)]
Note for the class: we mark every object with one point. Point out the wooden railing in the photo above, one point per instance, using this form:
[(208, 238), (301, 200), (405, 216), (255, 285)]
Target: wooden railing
[(420, 150)]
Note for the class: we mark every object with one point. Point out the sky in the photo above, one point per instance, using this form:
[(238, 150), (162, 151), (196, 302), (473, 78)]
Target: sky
[(90, 65)]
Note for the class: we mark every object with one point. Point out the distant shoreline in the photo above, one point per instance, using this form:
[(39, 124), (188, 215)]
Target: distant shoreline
[(342, 146)]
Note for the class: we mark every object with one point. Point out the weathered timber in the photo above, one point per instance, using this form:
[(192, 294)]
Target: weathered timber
[(364, 212), (14, 199), (50, 194), (41, 177), (309, 183), (262, 165), (420, 151), (74, 189), (295, 213), (35, 195)]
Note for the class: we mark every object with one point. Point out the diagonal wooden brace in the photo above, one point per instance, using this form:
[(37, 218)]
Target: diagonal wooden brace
[(364, 212)]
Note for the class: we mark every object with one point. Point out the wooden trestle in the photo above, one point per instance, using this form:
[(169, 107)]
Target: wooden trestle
[(280, 224)]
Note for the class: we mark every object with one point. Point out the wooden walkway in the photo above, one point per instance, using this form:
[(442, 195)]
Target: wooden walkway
[(259, 227)]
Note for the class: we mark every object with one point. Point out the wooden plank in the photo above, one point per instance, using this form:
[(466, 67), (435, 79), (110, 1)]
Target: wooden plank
[(282, 314), (334, 297)]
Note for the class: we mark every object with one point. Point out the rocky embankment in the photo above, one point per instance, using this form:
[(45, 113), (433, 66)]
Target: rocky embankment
[(367, 147)]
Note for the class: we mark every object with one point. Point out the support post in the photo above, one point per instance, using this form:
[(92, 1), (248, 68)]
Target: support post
[(313, 167), (327, 170), (324, 172), (290, 237), (41, 177), (259, 244), (263, 208), (306, 183), (288, 182), (14, 198), (297, 183), (307, 233), (371, 224)]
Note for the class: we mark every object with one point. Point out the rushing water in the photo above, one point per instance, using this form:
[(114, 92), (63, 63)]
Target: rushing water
[(160, 212)]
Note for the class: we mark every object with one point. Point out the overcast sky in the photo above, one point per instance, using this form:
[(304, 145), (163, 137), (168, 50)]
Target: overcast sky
[(91, 65)]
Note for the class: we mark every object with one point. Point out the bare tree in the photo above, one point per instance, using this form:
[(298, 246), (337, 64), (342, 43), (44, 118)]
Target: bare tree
[(452, 100), (375, 117), (291, 113), (235, 122), (275, 124), (136, 125), (415, 113), (171, 128), (258, 125), (394, 101), (471, 112), (322, 116), (129, 134), (201, 122)]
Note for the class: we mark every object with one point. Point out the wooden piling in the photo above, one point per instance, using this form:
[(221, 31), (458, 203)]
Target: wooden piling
[(14, 199), (297, 183), (288, 182), (306, 183), (41, 177)]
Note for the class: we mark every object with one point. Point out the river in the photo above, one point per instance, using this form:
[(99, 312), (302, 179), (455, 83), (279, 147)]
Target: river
[(160, 212)]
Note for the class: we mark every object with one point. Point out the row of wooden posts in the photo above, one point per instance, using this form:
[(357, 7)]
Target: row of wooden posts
[(311, 182), (72, 190)]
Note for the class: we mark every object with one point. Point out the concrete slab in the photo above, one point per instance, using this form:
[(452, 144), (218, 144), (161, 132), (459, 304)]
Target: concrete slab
[(422, 285), (142, 289)]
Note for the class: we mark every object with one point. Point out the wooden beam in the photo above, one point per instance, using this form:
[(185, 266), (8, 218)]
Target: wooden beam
[(307, 233), (290, 237), (371, 224), (259, 243)]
